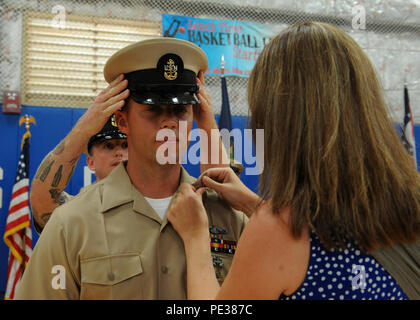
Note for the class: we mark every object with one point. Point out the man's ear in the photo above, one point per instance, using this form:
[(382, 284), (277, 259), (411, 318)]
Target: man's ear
[(121, 119), (90, 162)]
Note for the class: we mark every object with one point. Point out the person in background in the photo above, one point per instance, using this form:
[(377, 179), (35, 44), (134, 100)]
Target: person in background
[(339, 212)]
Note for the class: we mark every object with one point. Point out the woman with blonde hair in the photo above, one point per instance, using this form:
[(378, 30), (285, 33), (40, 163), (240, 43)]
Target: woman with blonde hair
[(338, 188)]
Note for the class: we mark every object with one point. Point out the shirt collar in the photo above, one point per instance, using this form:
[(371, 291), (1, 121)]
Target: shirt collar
[(118, 190)]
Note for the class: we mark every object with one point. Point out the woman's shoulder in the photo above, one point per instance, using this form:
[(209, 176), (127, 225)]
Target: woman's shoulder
[(278, 222), (268, 257), (270, 233)]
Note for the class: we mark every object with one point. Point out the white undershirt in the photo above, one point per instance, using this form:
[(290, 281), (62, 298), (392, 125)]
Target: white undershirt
[(159, 205)]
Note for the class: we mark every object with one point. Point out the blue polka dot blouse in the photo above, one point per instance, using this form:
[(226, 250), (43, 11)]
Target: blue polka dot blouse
[(345, 274)]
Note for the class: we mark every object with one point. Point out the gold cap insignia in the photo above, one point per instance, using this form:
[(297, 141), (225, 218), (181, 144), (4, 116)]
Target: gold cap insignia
[(170, 70), (113, 121)]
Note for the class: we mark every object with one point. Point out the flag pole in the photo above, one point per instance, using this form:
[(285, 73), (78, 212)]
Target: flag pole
[(222, 68), (222, 65)]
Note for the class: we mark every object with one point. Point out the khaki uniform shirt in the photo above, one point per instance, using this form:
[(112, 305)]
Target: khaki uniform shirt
[(108, 243)]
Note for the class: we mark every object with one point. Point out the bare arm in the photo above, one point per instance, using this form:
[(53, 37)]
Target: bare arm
[(48, 184), (57, 167), (262, 267), (269, 261), (202, 283)]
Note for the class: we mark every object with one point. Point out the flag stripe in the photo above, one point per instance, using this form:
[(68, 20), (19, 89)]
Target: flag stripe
[(9, 268), (17, 207), (20, 191), (16, 281), (14, 267), (16, 225), (16, 253), (22, 212), (16, 241), (20, 184)]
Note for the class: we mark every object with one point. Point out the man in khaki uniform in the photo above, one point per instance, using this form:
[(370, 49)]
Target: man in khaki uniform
[(113, 240)]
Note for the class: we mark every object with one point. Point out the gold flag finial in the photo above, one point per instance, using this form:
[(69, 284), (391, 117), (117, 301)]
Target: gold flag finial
[(27, 120)]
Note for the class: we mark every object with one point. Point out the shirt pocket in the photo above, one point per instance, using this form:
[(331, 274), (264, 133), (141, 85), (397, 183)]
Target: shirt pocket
[(112, 277), (221, 265)]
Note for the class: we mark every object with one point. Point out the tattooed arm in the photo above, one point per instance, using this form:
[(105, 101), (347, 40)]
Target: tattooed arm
[(48, 184), (58, 166)]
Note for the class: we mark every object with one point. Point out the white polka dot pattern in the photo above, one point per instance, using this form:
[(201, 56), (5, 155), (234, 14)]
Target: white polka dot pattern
[(344, 274)]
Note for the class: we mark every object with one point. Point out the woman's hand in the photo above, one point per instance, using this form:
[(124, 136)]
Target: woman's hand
[(187, 214), (227, 183), (203, 112)]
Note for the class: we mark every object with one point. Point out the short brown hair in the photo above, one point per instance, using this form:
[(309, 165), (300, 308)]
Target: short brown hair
[(332, 154)]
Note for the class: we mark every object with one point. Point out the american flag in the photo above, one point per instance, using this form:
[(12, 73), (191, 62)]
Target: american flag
[(18, 233), (407, 134)]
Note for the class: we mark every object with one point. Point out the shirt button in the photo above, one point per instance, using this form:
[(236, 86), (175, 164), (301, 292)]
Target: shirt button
[(111, 276), (165, 269)]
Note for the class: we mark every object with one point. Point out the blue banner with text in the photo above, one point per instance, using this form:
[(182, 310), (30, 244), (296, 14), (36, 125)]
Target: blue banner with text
[(239, 42)]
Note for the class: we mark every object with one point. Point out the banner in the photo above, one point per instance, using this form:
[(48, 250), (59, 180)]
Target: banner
[(240, 42)]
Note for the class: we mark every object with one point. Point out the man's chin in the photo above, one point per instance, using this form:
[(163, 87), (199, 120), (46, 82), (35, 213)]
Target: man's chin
[(169, 143), (163, 158), (115, 164)]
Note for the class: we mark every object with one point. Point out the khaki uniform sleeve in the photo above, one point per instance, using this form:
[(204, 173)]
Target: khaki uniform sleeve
[(49, 274), (243, 220)]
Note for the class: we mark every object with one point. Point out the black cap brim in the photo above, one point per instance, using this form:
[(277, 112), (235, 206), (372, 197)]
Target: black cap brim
[(103, 136), (165, 98)]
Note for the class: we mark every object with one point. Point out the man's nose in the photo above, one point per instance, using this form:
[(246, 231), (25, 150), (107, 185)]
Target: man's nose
[(119, 151), (169, 123)]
